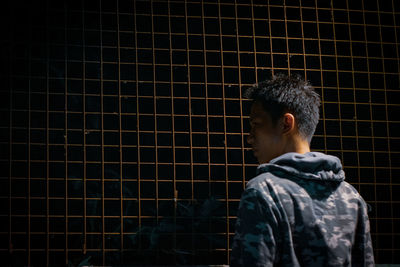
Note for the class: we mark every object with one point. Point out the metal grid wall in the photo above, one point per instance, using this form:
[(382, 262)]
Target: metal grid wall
[(123, 125)]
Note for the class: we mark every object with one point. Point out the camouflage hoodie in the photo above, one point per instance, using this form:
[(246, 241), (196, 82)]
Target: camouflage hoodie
[(299, 211)]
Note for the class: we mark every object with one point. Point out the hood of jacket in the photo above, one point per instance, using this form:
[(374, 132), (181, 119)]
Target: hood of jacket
[(311, 165)]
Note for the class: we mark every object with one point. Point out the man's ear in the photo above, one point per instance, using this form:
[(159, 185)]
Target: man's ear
[(288, 122)]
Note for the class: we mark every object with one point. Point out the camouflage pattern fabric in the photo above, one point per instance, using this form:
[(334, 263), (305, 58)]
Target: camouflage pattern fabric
[(299, 211)]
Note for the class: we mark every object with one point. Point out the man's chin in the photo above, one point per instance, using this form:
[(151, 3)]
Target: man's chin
[(256, 155)]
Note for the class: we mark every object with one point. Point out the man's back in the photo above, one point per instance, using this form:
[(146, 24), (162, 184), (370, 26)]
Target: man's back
[(299, 212)]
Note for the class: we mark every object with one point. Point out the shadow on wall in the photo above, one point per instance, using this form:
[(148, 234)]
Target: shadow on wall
[(171, 240)]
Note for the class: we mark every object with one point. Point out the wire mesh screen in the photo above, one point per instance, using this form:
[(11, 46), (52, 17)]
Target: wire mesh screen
[(123, 124)]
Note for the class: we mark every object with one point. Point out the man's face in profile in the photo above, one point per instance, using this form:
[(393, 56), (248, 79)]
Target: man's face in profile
[(264, 137)]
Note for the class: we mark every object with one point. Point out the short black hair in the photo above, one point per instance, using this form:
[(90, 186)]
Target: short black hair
[(292, 94)]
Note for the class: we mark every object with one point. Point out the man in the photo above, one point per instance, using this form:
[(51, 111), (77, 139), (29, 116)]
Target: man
[(298, 210)]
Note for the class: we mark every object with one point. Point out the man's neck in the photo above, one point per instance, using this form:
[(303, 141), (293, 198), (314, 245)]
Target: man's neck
[(298, 145)]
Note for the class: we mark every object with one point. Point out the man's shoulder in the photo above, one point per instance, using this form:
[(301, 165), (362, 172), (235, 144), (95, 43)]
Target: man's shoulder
[(269, 179), (260, 181), (349, 193), (266, 185)]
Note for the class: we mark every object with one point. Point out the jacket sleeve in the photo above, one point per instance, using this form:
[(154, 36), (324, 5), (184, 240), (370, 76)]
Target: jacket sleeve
[(255, 240), (362, 252)]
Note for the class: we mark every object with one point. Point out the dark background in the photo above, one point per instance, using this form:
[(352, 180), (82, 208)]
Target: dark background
[(123, 125)]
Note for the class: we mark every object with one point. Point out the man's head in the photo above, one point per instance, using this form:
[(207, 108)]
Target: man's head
[(283, 117)]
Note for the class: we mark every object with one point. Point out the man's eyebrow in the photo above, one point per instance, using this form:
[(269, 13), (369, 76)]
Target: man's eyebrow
[(252, 118)]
